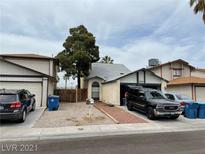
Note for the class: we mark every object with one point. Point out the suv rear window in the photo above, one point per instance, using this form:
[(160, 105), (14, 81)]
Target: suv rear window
[(7, 97)]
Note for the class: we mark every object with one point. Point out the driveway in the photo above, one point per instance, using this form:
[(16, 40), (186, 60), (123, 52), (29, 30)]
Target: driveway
[(72, 114), (181, 122), (32, 117)]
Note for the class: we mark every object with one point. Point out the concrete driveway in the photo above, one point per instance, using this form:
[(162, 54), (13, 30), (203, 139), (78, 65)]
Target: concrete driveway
[(32, 117), (181, 122)]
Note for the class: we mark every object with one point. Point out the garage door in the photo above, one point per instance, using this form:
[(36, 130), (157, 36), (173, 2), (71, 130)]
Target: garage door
[(200, 93), (34, 88)]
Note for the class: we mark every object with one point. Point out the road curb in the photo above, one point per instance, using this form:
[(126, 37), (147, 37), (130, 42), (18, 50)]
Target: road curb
[(95, 134)]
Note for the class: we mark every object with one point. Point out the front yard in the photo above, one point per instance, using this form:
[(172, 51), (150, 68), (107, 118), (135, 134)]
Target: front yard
[(72, 114)]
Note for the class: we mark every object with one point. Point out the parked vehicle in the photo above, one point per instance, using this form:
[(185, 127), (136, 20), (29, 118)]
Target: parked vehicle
[(15, 104), (152, 102), (182, 99)]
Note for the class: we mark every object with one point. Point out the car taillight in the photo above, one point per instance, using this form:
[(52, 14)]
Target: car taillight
[(182, 104), (15, 105)]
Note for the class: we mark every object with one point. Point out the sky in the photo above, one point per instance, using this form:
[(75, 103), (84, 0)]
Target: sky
[(130, 31)]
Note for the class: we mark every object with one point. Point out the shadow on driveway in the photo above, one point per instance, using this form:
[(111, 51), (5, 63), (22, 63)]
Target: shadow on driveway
[(32, 117)]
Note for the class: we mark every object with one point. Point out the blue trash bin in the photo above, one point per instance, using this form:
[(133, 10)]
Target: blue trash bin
[(53, 102), (201, 110), (191, 110)]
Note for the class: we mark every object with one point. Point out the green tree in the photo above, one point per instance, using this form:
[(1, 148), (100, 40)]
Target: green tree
[(80, 51), (199, 6), (107, 60)]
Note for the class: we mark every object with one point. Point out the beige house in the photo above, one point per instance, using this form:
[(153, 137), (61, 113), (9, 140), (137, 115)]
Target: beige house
[(107, 82), (183, 78), (36, 73)]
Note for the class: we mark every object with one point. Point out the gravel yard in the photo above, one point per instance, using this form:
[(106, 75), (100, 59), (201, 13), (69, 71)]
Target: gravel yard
[(72, 114)]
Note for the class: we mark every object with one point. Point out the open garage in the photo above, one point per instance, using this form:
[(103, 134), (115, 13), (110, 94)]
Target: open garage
[(142, 77)]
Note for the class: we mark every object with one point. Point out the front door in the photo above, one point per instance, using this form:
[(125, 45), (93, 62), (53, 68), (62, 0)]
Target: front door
[(96, 91)]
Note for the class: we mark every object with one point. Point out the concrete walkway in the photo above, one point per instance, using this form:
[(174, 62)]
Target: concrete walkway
[(13, 134)]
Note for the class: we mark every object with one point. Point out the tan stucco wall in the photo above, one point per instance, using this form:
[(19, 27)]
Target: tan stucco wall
[(10, 69), (198, 73), (181, 89), (111, 92), (167, 73), (41, 65), (90, 82)]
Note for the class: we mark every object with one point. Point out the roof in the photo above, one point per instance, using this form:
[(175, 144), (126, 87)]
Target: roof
[(107, 71), (10, 91), (142, 69), (187, 80), (178, 60), (35, 56), (200, 69)]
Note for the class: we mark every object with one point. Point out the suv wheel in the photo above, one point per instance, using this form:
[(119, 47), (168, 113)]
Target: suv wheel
[(150, 113), (23, 116), (129, 107), (33, 107)]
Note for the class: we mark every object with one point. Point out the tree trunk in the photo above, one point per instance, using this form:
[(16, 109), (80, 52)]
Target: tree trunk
[(78, 81)]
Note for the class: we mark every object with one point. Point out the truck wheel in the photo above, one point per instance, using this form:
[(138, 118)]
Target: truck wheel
[(23, 116), (150, 113), (129, 107)]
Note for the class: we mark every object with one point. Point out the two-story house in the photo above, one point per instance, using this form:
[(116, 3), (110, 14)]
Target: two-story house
[(183, 78), (36, 73)]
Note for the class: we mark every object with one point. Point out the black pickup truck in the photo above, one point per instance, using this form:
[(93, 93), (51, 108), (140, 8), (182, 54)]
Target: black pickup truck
[(152, 102)]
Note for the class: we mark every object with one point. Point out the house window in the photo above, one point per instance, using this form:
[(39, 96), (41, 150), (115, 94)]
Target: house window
[(177, 72), (95, 91)]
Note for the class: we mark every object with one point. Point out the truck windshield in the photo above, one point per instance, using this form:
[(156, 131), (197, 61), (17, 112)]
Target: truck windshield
[(154, 95), (7, 97)]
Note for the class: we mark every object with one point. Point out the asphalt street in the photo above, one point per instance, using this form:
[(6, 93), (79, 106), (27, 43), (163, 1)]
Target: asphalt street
[(156, 143)]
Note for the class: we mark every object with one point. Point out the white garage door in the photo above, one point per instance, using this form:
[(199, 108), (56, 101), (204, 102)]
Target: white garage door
[(34, 88), (200, 94)]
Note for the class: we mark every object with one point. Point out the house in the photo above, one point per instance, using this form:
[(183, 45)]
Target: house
[(107, 82), (183, 78), (36, 73)]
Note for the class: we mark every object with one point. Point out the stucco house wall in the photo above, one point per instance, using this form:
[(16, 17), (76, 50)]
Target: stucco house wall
[(198, 73), (90, 82), (111, 92)]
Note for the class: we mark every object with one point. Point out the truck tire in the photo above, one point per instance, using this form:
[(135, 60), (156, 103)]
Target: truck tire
[(129, 106), (150, 113)]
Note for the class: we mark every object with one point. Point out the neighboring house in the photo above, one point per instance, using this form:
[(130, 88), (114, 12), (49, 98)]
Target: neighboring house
[(36, 73), (183, 78), (194, 87), (106, 82)]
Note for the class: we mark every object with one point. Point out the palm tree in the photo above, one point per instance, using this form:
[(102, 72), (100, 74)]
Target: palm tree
[(107, 60), (199, 6)]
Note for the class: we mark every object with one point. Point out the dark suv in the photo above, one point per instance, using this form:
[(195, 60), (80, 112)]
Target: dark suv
[(152, 102), (15, 104)]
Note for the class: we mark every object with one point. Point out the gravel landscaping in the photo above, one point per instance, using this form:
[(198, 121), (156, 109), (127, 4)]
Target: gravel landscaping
[(72, 114)]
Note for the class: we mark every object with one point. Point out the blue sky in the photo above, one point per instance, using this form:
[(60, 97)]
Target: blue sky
[(130, 31)]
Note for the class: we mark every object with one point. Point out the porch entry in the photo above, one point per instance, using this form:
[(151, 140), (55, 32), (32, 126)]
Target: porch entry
[(95, 90)]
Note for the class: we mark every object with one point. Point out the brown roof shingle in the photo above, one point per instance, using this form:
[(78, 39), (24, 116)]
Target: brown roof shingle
[(187, 80)]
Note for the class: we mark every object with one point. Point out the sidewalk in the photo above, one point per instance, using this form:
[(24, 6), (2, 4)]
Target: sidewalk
[(19, 134)]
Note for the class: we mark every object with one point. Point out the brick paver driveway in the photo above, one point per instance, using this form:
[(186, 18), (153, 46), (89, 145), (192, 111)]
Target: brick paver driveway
[(119, 114)]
